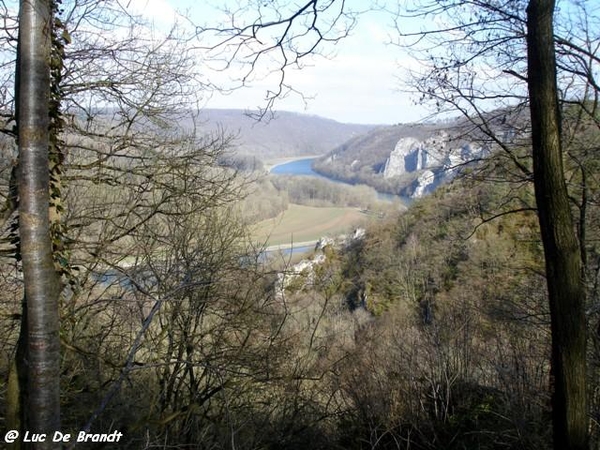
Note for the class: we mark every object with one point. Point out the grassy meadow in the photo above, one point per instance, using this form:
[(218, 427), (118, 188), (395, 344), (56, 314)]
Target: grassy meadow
[(299, 224)]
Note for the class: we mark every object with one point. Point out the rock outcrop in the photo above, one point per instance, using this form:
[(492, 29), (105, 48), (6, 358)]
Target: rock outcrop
[(411, 160), (432, 161), (303, 272)]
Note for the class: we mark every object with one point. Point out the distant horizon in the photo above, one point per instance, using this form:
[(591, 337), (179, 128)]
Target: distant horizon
[(275, 111), (362, 79)]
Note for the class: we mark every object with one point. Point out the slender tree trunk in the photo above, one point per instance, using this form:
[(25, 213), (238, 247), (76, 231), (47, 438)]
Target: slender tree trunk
[(41, 281), (563, 260)]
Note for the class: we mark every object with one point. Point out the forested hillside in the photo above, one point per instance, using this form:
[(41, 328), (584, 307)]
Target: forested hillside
[(432, 331), (442, 322), (283, 134)]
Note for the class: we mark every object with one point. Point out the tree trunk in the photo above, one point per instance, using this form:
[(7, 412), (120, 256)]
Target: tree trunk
[(40, 277), (563, 260)]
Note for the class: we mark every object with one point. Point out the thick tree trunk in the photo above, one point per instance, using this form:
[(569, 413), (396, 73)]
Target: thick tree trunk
[(563, 260), (41, 281)]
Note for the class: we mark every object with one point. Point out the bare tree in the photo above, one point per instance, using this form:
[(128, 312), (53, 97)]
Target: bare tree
[(126, 161), (264, 39), (40, 278), (498, 65), (566, 288)]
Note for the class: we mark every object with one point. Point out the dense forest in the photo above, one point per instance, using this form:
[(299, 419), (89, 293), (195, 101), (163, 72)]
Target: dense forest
[(136, 311)]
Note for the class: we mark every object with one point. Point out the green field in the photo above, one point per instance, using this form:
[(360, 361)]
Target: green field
[(301, 224)]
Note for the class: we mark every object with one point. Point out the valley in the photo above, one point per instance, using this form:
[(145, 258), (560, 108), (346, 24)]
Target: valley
[(307, 224), (430, 321), (235, 279)]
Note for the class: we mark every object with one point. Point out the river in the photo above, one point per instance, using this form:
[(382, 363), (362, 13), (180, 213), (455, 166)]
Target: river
[(298, 167), (303, 166)]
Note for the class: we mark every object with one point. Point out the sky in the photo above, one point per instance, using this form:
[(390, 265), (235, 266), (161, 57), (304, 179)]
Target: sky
[(360, 80)]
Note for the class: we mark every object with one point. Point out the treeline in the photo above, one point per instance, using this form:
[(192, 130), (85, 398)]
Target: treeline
[(314, 191), (243, 163), (366, 174), (262, 201), (269, 196)]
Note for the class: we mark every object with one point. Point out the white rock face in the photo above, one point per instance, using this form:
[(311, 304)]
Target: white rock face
[(412, 155), (306, 267), (396, 163), (359, 234), (434, 157), (325, 241), (425, 180)]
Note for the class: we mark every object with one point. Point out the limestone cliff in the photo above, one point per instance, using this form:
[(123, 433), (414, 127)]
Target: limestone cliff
[(433, 160), (410, 160)]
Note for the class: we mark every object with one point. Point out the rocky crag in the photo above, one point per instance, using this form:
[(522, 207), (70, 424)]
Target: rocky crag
[(410, 160), (432, 161)]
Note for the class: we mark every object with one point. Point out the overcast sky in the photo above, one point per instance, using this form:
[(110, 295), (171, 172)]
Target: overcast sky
[(358, 83)]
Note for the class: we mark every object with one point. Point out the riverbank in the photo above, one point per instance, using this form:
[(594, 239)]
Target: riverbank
[(303, 166), (270, 164)]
